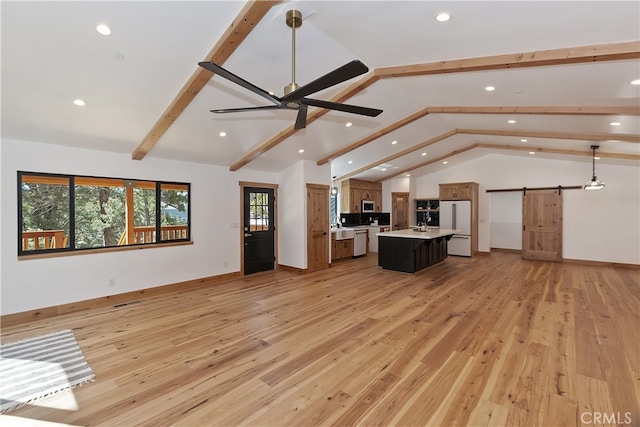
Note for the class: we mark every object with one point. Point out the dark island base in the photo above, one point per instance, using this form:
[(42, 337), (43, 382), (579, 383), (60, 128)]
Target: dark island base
[(411, 255)]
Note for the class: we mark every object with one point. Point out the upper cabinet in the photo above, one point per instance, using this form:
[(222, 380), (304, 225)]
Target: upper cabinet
[(354, 191), (459, 191)]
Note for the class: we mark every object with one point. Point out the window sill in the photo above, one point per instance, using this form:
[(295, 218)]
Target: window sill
[(102, 250)]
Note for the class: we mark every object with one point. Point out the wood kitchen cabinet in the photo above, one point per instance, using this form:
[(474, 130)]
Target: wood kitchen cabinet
[(354, 191), (341, 248), (464, 191), (459, 191)]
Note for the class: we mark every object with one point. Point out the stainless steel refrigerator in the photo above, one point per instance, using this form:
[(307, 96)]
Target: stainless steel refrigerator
[(457, 215)]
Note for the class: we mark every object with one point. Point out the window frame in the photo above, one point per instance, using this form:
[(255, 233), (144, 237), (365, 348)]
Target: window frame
[(71, 237)]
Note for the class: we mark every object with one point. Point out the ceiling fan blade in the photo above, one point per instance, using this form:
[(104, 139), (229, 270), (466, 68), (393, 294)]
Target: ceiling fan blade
[(235, 110), (216, 69), (348, 71), (364, 111), (301, 119)]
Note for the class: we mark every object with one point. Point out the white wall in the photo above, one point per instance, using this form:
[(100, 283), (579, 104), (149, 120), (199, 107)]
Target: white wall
[(292, 219), (506, 220), (597, 225), (38, 283)]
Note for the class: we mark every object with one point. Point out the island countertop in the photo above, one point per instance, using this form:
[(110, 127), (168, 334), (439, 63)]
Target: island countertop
[(431, 233)]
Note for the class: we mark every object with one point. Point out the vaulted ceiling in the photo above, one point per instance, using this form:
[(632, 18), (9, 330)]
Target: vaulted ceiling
[(562, 73)]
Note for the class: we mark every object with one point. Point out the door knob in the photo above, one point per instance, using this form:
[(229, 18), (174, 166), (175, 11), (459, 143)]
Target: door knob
[(247, 235)]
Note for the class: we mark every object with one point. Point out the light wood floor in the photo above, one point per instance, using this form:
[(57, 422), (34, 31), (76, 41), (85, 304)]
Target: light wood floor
[(492, 340)]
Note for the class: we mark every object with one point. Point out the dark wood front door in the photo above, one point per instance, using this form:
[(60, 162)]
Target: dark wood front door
[(259, 229)]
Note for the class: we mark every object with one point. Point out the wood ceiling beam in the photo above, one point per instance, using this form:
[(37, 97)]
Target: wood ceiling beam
[(633, 110), (367, 139), (554, 135), (582, 54), (591, 110), (235, 34), (540, 58), (428, 162), (587, 153), (312, 116), (409, 150)]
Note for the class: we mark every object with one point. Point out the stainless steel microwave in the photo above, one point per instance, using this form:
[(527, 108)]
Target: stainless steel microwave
[(368, 206)]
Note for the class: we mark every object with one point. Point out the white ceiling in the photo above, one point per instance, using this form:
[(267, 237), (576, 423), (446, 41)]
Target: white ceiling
[(51, 54)]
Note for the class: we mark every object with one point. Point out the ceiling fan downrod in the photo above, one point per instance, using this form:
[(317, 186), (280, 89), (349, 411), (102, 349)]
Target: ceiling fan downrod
[(293, 18)]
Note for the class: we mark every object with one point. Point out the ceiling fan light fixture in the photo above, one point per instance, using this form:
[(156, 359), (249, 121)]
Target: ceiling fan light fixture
[(594, 183)]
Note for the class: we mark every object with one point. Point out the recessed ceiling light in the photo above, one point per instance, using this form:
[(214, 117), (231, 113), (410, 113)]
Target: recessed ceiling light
[(532, 152), (424, 154), (615, 123), (443, 17), (511, 121), (350, 161), (103, 29), (445, 162), (523, 140), (349, 124), (223, 134), (490, 88), (635, 82), (301, 151), (79, 102), (384, 169), (596, 158), (408, 174), (394, 142)]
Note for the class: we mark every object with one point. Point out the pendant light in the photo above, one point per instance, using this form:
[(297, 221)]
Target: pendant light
[(594, 183)]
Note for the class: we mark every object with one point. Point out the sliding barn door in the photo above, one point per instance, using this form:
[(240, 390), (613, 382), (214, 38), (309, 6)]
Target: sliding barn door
[(542, 225)]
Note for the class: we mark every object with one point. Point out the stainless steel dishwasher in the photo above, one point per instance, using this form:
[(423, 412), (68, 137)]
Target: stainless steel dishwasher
[(360, 242)]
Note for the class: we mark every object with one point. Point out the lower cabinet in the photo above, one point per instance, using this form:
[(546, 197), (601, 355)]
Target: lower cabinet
[(341, 248)]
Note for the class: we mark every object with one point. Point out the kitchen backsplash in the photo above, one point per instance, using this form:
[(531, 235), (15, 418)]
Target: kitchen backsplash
[(350, 220)]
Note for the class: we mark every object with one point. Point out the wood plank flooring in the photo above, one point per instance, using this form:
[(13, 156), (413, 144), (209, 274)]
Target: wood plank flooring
[(487, 341)]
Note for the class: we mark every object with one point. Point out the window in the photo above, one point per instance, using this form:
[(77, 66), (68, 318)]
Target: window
[(333, 209), (259, 211), (67, 213)]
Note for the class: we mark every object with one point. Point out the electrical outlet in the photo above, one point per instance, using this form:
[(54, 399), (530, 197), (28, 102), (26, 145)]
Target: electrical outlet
[(111, 283), (226, 263)]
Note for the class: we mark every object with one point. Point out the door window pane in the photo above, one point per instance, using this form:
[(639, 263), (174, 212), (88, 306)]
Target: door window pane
[(259, 211)]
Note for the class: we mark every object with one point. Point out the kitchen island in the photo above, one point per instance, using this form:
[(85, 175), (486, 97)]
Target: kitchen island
[(411, 250)]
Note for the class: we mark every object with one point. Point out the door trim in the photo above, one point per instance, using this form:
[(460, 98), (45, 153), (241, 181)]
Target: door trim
[(274, 187)]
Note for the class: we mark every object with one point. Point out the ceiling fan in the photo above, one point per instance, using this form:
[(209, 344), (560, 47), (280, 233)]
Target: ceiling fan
[(295, 97)]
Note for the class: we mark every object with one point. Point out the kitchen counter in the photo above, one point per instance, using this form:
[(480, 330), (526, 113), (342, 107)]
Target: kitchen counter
[(410, 251), (430, 233)]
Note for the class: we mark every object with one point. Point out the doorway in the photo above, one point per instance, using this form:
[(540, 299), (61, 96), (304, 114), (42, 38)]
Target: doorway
[(542, 225), (317, 227), (400, 210), (258, 226)]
